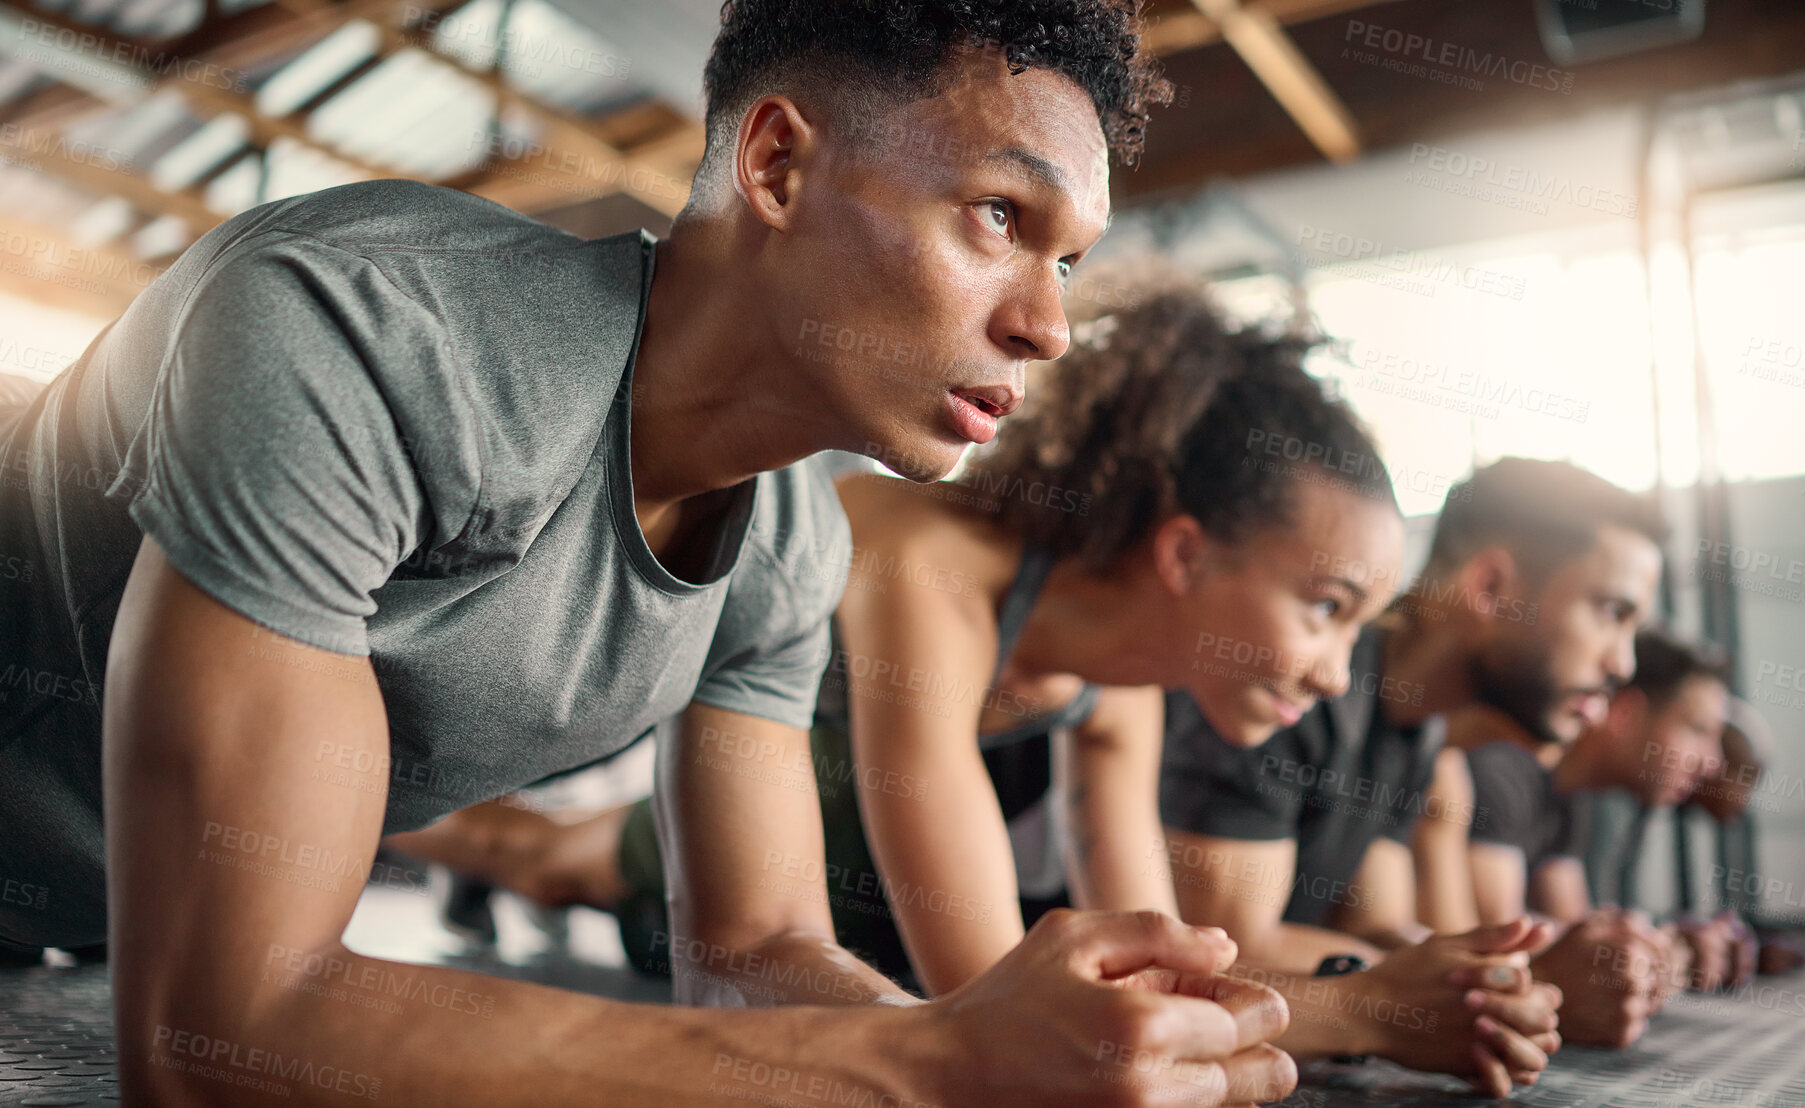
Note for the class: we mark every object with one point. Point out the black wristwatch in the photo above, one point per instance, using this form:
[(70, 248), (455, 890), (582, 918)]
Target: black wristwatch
[(1335, 965)]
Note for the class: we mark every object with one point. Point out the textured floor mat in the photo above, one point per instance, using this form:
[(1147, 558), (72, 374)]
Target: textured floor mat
[(1739, 1051)]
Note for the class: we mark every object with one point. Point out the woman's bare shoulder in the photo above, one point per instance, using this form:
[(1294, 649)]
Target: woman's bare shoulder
[(921, 531)]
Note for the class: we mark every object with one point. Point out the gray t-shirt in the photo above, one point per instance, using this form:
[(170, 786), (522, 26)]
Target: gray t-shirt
[(385, 419)]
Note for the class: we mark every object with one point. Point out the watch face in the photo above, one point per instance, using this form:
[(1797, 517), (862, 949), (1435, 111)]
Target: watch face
[(1337, 964)]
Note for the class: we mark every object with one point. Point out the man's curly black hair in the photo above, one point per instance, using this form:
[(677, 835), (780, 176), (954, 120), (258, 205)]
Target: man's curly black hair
[(872, 54)]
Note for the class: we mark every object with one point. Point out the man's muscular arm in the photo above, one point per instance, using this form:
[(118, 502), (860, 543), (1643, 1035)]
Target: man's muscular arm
[(233, 870)]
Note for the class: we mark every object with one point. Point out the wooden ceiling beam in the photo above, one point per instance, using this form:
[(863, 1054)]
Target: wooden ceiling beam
[(573, 158), (1188, 28), (1255, 35), (577, 149), (103, 173)]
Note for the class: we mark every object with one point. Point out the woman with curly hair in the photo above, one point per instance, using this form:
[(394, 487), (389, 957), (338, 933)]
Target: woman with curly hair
[(1005, 639)]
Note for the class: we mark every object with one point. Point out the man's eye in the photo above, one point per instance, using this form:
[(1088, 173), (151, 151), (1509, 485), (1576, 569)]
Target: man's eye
[(1065, 271), (1326, 608), (999, 215)]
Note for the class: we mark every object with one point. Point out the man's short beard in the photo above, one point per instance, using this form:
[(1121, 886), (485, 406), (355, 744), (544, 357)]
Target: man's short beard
[(1517, 683)]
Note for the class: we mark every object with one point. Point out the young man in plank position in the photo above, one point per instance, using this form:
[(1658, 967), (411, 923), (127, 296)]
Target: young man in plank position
[(1538, 576), (409, 501), (1661, 738)]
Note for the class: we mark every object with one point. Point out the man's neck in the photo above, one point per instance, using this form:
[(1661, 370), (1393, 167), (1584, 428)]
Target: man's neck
[(1429, 656), (714, 395)]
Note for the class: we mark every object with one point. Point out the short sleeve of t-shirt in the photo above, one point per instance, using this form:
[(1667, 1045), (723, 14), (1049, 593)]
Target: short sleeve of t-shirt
[(270, 470), (1576, 828), (1425, 743), (1208, 787), (774, 640), (1508, 786)]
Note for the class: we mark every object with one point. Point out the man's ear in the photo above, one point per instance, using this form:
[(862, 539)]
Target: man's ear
[(1484, 579), (775, 138)]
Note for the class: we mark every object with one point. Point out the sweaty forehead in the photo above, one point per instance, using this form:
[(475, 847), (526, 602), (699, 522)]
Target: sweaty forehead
[(985, 112)]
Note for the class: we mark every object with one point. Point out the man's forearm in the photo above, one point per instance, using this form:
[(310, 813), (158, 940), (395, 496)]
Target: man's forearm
[(792, 967), (316, 1028)]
